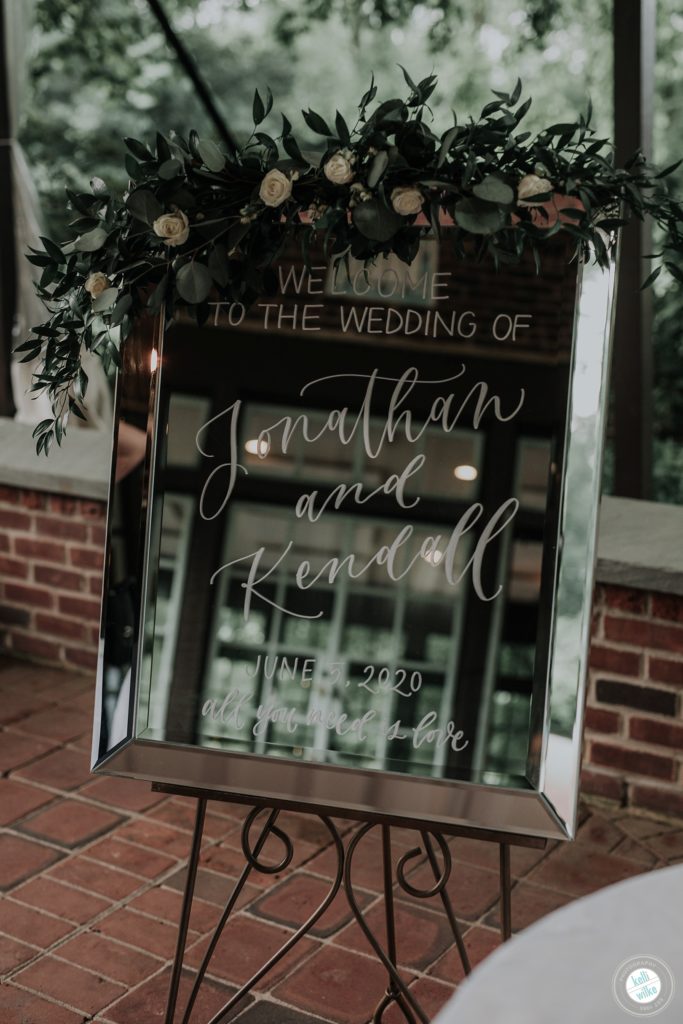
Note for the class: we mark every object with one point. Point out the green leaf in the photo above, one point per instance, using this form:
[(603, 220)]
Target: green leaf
[(342, 130), (138, 149), (132, 167), (218, 265), (121, 308), (315, 122), (258, 108), (446, 143), (42, 427), (211, 155), (375, 220), (193, 282), (81, 384), (53, 250), (170, 169), (409, 82), (669, 170), (651, 278), (378, 167), (478, 218), (104, 300), (144, 205), (494, 190), (91, 241), (156, 299)]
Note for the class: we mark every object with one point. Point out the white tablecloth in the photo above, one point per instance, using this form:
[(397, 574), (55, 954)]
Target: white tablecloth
[(560, 970)]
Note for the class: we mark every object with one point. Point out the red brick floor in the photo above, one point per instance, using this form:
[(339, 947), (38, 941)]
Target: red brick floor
[(91, 871)]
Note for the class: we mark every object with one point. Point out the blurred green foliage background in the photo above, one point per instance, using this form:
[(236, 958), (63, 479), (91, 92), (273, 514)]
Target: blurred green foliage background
[(101, 70)]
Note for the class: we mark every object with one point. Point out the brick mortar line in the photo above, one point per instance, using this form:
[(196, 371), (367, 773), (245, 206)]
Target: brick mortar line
[(418, 973), (53, 949), (115, 905)]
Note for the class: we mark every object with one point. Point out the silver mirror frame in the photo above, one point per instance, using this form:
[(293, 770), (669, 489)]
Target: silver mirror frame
[(547, 808)]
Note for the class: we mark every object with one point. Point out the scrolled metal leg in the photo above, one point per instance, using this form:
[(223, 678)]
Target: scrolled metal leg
[(445, 898), (186, 910), (253, 863), (505, 893), (398, 991)]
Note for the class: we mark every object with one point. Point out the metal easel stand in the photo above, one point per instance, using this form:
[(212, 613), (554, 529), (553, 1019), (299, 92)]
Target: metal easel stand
[(397, 991)]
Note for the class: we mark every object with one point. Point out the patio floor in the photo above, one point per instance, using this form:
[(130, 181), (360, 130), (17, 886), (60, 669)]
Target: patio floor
[(92, 871)]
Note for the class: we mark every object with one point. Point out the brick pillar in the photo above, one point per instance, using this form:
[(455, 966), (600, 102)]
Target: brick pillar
[(51, 557)]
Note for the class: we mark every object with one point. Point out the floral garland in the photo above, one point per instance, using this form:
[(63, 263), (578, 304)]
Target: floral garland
[(195, 221)]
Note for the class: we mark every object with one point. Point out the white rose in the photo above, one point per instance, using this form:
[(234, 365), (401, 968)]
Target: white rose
[(406, 200), (97, 283), (174, 227), (531, 185), (275, 188), (338, 168)]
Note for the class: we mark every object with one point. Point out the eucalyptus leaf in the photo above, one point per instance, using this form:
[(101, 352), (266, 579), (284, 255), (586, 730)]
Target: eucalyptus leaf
[(144, 205), (121, 308), (446, 143), (104, 300), (378, 167), (193, 282), (375, 220), (211, 155), (91, 241), (478, 217), (170, 169), (494, 190)]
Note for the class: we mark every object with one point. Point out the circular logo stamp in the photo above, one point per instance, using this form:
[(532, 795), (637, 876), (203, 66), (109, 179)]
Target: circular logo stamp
[(643, 985)]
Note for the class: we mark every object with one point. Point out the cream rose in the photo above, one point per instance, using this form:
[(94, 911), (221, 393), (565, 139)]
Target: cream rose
[(406, 200), (275, 188), (531, 185), (174, 227), (338, 168), (97, 283)]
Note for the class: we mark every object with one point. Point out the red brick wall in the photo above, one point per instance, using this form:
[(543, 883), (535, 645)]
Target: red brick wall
[(50, 571), (51, 553), (633, 738)]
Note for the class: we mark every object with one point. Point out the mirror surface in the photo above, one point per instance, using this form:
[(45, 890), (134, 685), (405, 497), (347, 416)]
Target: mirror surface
[(354, 520)]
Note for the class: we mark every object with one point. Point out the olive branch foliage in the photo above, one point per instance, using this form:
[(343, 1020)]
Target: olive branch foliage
[(469, 173)]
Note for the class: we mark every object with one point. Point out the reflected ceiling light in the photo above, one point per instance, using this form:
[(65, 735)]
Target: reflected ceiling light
[(153, 360), (256, 447), (466, 472)]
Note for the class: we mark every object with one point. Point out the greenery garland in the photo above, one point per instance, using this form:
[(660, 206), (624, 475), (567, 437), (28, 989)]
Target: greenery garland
[(195, 221)]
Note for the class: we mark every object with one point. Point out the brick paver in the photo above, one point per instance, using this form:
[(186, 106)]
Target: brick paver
[(93, 868)]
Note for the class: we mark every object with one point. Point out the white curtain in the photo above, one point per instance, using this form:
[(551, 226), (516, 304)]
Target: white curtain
[(27, 226)]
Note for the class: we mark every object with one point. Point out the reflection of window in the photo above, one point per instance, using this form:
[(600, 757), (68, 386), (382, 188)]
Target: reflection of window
[(175, 534), (509, 733), (451, 469), (524, 582), (186, 414), (371, 634), (532, 472)]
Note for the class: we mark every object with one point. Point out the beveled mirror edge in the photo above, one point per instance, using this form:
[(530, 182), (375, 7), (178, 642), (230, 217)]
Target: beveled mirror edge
[(446, 803), (593, 329)]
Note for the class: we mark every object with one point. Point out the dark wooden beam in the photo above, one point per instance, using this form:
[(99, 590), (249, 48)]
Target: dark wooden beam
[(634, 59), (192, 71), (8, 255)]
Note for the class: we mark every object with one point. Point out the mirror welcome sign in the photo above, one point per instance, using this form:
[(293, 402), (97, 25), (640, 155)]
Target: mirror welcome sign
[(351, 542)]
